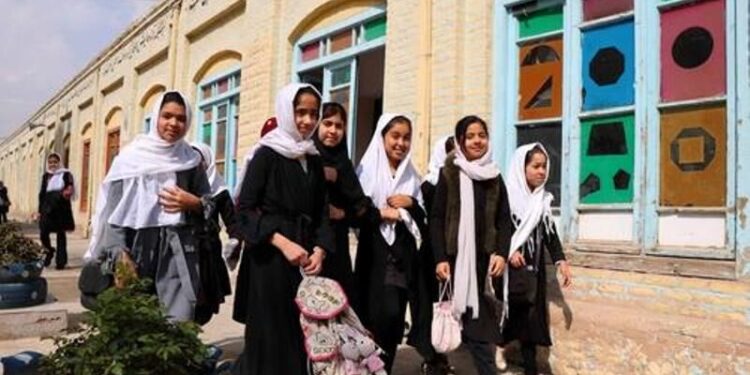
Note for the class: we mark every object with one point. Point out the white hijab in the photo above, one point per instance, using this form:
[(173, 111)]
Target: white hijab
[(437, 160), (285, 138), (56, 182), (379, 183), (145, 166), (466, 285), (530, 207), (214, 178)]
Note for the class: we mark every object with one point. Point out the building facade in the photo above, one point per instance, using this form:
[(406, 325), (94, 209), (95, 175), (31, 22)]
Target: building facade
[(643, 106)]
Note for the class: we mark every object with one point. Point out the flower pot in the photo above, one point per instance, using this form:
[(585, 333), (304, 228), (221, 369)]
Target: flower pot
[(20, 272), (24, 294)]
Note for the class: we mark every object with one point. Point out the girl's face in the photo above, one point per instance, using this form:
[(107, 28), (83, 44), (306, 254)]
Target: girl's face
[(306, 114), (536, 170), (397, 142), (53, 164), (331, 130), (475, 142), (172, 123)]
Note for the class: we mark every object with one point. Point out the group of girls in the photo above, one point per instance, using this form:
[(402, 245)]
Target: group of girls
[(298, 196)]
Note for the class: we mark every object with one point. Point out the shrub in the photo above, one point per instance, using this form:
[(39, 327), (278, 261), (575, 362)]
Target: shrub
[(16, 248)]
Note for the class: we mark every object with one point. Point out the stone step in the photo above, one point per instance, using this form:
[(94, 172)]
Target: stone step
[(48, 319)]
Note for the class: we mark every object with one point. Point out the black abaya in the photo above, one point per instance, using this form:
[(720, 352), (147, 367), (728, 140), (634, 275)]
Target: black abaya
[(277, 196)]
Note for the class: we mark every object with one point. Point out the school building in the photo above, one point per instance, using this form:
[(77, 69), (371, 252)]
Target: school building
[(644, 106)]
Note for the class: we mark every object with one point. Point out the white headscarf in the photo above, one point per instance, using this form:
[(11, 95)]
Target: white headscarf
[(530, 207), (56, 182), (378, 183), (285, 138), (466, 292), (145, 166), (214, 178), (437, 160)]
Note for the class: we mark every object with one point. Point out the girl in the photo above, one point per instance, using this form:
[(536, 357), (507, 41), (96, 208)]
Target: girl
[(525, 282), (55, 214), (470, 229), (4, 203), (387, 250), (148, 208), (214, 276), (427, 289), (283, 219), (347, 200)]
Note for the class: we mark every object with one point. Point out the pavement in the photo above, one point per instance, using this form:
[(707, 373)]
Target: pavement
[(221, 330)]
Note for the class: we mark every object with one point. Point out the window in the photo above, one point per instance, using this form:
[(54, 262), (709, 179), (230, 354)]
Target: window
[(85, 175), (218, 114), (572, 86), (346, 63), (113, 147)]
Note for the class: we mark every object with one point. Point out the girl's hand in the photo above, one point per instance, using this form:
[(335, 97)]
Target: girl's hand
[(293, 252), (517, 260), (35, 216), (173, 200), (400, 201), (331, 174), (443, 271), (335, 213), (497, 265), (567, 276), (315, 262), (390, 214)]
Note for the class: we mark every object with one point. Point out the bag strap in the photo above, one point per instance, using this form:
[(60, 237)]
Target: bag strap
[(446, 287)]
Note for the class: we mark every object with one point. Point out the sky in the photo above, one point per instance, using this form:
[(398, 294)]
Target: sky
[(45, 43)]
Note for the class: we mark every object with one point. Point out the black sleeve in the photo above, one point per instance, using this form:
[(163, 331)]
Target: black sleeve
[(323, 232), (437, 221), (42, 191), (552, 242), (225, 207), (253, 226), (67, 179), (419, 215), (348, 185), (503, 223)]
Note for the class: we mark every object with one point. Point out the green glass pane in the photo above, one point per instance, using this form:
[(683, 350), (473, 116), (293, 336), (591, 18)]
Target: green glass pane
[(341, 76), (207, 133), (375, 29), (607, 154), (540, 22)]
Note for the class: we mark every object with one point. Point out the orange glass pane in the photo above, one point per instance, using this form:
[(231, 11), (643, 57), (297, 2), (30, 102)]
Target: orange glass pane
[(341, 41)]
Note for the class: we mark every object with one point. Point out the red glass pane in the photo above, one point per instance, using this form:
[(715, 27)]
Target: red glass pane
[(310, 51), (221, 112), (593, 9), (223, 85), (206, 92), (207, 113)]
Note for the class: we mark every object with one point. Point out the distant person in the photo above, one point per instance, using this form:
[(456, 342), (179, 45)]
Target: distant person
[(4, 203), (526, 280), (55, 214)]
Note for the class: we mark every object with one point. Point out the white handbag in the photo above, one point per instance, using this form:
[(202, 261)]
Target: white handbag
[(446, 326)]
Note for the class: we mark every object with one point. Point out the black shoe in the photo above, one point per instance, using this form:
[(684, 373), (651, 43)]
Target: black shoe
[(48, 257), (60, 267)]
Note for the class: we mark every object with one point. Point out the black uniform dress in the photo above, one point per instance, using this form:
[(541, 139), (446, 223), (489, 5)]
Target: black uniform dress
[(4, 204), (529, 323), (478, 333), (426, 292), (344, 193), (56, 216), (385, 274), (214, 275), (277, 196)]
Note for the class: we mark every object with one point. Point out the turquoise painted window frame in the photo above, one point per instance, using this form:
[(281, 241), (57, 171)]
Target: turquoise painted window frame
[(230, 98), (147, 124), (646, 109), (339, 59)]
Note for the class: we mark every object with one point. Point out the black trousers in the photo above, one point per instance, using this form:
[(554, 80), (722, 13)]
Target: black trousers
[(3, 217), (61, 255), (528, 352), (483, 354), (388, 326)]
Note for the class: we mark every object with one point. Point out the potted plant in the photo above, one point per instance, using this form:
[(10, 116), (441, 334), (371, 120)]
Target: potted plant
[(129, 333), (21, 267)]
